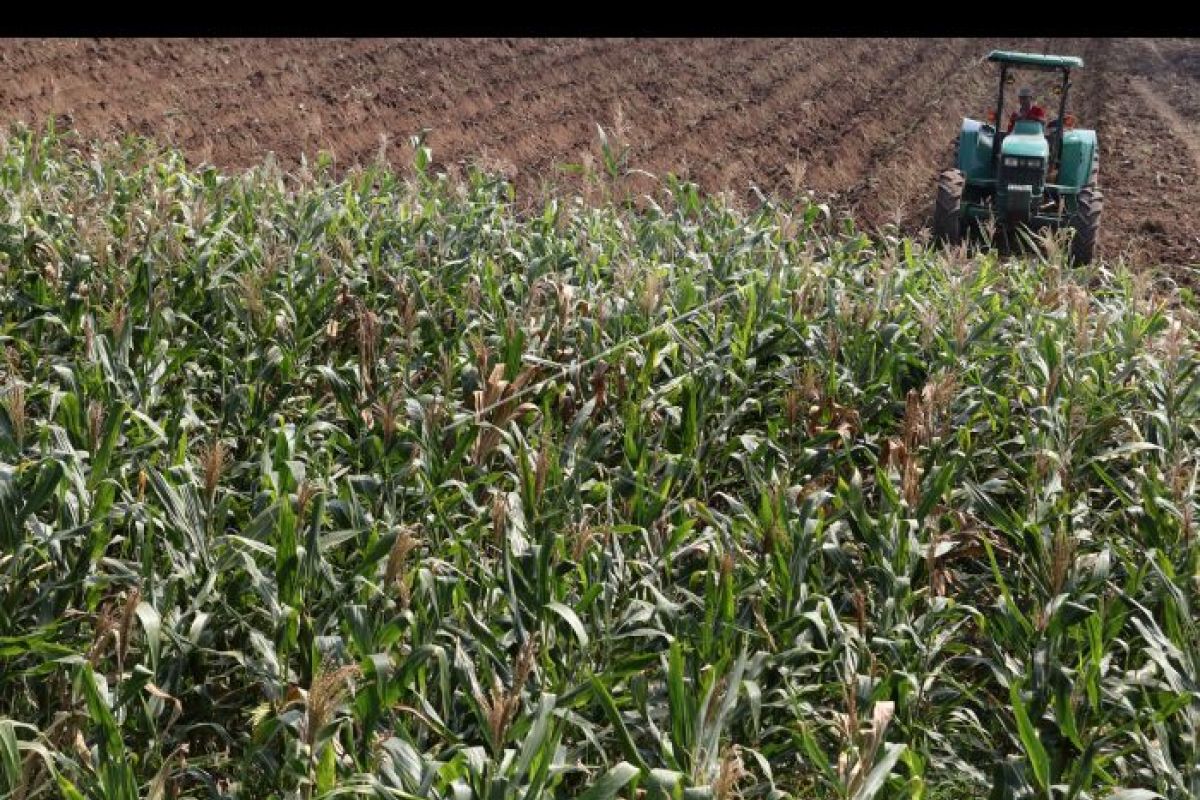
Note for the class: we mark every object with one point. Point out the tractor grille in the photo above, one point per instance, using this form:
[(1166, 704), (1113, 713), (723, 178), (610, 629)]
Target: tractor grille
[(1023, 176)]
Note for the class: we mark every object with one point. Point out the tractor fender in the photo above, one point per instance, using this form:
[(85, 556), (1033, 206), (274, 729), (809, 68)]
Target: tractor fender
[(974, 149), (1079, 152)]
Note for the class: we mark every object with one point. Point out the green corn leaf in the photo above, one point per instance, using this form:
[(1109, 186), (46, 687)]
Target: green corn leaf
[(571, 619), (879, 773), (609, 785), (48, 479), (536, 738), (1035, 751), (10, 758), (624, 739)]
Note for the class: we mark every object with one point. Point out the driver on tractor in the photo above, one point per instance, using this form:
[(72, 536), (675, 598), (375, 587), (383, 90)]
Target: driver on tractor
[(1028, 109)]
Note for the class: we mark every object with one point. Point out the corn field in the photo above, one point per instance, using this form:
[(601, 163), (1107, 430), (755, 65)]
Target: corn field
[(374, 484)]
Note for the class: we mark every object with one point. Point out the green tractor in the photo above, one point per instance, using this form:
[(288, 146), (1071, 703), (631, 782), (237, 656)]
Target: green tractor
[(1038, 175)]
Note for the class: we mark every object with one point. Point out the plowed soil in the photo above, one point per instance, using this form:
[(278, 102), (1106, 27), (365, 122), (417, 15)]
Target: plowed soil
[(867, 122)]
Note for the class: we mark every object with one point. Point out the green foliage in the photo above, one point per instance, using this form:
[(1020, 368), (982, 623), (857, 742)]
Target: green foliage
[(373, 484)]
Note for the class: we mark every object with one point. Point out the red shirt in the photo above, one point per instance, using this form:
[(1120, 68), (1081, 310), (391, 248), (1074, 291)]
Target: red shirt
[(1036, 113)]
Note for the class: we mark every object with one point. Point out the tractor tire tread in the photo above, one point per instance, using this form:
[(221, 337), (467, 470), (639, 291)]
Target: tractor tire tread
[(1086, 222), (947, 212)]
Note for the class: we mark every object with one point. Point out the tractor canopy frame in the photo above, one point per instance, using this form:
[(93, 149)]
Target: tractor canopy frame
[(1040, 63)]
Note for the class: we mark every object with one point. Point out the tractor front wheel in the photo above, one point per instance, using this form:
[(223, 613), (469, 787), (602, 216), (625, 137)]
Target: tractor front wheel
[(947, 212), (1089, 203)]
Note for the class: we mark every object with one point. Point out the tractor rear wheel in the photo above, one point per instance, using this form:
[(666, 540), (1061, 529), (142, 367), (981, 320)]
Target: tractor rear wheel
[(947, 211), (1089, 203)]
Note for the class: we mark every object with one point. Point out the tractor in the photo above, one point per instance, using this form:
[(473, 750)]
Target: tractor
[(1039, 174)]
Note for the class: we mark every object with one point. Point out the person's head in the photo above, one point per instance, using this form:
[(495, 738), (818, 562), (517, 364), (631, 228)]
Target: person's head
[(1025, 97)]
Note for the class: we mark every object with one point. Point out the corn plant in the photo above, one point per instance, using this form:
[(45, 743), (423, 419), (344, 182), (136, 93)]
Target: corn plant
[(377, 483)]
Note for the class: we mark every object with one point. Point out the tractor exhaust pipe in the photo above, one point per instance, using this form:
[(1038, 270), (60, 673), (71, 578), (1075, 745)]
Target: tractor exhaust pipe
[(999, 115)]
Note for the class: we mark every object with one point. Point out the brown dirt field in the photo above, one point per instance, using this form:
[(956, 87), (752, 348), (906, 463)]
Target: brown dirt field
[(866, 122)]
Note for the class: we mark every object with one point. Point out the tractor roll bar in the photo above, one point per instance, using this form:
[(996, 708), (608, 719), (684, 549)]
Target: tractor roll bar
[(1057, 140), (1056, 152), (999, 112)]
